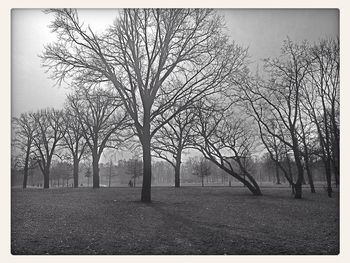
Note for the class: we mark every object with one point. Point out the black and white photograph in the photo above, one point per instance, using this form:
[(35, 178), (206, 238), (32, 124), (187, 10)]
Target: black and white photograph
[(175, 131)]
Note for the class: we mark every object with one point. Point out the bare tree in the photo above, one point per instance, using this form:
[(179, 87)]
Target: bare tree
[(152, 57), (47, 136), (321, 100), (73, 140), (24, 129), (134, 169), (174, 138), (228, 142), (62, 169), (201, 168), (279, 99), (102, 120)]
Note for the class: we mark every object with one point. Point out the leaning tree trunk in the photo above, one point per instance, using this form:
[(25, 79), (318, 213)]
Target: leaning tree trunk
[(95, 172), (75, 172), (252, 185)]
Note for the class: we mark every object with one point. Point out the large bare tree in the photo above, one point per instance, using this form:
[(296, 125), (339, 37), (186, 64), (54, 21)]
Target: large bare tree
[(103, 122), (152, 57)]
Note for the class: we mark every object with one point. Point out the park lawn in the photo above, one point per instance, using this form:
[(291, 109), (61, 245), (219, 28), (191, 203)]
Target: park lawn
[(188, 220)]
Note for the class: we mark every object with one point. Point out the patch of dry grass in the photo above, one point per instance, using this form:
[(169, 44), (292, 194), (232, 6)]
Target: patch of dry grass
[(189, 220)]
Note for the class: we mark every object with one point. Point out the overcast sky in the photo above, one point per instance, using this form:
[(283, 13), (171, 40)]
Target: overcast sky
[(262, 30)]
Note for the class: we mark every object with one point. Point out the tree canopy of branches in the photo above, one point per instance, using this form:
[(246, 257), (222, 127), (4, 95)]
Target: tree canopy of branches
[(102, 121), (152, 57), (46, 138), (299, 96)]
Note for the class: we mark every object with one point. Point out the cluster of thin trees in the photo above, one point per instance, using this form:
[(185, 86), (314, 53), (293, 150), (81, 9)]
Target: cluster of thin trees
[(170, 80), (90, 122)]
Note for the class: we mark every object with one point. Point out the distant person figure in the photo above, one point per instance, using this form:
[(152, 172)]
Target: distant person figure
[(131, 184)]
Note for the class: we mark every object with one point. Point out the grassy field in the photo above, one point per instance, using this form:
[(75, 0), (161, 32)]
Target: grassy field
[(189, 220)]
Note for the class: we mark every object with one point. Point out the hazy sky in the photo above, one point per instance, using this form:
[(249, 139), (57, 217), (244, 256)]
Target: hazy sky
[(262, 30)]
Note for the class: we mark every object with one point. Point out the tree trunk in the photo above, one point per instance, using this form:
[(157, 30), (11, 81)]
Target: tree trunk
[(300, 179), (328, 176), (336, 171), (145, 139), (300, 169), (25, 173), (147, 168), (252, 185), (309, 175), (95, 172), (298, 190), (110, 175), (46, 177), (177, 170), (76, 172)]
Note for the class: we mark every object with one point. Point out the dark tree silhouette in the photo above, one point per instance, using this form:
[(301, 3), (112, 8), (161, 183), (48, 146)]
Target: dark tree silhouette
[(152, 57)]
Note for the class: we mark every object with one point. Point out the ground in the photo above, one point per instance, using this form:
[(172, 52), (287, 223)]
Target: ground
[(189, 220)]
